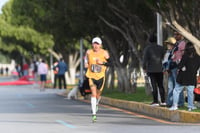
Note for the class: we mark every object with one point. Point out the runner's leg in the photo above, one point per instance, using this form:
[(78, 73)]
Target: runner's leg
[(93, 99)]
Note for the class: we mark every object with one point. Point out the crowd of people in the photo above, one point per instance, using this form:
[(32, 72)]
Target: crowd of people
[(180, 62), (39, 70)]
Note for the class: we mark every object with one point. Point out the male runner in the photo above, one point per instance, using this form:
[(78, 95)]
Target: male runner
[(95, 62)]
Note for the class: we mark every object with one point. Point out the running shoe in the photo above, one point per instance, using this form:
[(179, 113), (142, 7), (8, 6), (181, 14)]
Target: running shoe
[(94, 118)]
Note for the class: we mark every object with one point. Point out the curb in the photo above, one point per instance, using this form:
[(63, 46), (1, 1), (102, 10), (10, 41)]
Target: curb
[(158, 112)]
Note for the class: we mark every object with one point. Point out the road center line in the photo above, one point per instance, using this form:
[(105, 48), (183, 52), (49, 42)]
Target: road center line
[(30, 105), (65, 124), (19, 95)]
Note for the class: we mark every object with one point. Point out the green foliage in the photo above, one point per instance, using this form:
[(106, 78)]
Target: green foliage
[(124, 26), (139, 96), (4, 59), (31, 39), (62, 19)]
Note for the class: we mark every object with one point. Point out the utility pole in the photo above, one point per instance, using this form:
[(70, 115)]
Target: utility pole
[(81, 57), (159, 30), (51, 70), (159, 38)]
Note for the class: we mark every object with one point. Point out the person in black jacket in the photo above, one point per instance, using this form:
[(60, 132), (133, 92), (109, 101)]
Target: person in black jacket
[(152, 64), (187, 71)]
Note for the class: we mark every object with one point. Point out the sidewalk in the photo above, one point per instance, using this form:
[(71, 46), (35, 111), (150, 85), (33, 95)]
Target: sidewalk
[(158, 112)]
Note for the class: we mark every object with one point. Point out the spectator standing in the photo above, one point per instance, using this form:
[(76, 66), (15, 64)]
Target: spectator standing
[(42, 71), (55, 71), (1, 70), (152, 64), (19, 70), (170, 42), (34, 68), (35, 71), (25, 68), (187, 71), (31, 69), (174, 58), (6, 69), (62, 68)]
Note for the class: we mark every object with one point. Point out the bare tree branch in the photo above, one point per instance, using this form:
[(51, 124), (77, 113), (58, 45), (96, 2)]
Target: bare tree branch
[(117, 12), (188, 36), (183, 32), (113, 27), (57, 56)]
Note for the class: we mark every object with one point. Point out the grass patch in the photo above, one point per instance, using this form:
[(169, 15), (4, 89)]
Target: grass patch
[(139, 96), (69, 86)]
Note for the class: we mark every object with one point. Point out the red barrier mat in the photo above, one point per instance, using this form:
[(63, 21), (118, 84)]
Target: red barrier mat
[(25, 80)]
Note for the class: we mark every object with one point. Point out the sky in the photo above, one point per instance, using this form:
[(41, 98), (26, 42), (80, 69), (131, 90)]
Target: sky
[(2, 2)]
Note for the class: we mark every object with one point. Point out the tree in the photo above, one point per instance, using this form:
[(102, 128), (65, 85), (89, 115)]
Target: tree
[(23, 39), (46, 18), (109, 20), (181, 16), (124, 26), (128, 35)]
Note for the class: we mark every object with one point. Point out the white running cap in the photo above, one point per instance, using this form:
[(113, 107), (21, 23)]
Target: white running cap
[(97, 40)]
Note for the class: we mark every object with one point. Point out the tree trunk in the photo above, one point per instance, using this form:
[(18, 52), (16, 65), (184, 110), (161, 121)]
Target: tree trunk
[(71, 76), (74, 62), (110, 77), (124, 84)]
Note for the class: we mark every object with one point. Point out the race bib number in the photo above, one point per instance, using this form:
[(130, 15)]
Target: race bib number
[(96, 68)]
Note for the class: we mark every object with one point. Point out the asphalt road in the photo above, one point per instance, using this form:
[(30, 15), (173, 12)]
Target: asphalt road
[(24, 109)]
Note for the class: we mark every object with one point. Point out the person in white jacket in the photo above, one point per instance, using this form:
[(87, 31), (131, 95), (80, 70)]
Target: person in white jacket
[(42, 71)]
